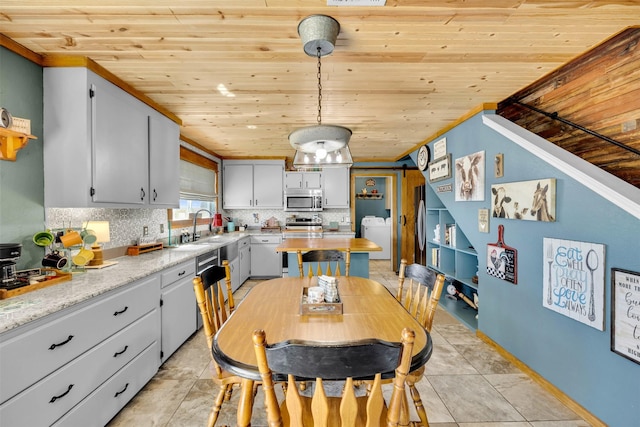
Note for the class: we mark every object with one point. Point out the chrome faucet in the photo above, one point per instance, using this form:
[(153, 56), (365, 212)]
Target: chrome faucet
[(196, 236)]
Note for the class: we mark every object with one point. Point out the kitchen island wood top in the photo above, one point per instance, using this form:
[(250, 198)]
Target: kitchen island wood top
[(340, 244)]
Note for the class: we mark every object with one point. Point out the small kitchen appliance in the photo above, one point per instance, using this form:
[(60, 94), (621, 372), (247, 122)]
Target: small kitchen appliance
[(303, 200), (9, 253)]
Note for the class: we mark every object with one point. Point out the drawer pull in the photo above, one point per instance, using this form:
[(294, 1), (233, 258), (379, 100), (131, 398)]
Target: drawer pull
[(122, 391), (182, 273), (118, 353), (53, 346), (54, 398), (126, 307)]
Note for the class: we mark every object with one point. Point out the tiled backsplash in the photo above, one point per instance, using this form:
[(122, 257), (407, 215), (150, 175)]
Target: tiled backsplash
[(125, 225), (257, 218)]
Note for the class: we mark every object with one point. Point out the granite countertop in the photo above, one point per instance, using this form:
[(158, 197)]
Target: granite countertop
[(22, 309)]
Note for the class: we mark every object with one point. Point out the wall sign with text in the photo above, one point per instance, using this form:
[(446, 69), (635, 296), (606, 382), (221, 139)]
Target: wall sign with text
[(625, 315), (573, 280)]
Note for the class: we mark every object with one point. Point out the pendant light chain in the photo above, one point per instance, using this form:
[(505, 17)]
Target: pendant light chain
[(319, 88)]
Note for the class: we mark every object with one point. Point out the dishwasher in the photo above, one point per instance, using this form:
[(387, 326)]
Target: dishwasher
[(203, 262), (230, 253)]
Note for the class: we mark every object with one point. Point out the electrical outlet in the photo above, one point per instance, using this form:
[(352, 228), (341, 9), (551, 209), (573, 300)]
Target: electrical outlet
[(145, 231), (162, 228)]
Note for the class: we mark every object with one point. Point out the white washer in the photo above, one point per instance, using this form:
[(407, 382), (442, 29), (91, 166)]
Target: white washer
[(378, 230)]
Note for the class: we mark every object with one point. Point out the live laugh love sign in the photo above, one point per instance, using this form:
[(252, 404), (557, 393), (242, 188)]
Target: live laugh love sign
[(573, 280)]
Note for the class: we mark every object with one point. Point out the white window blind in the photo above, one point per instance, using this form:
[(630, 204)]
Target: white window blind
[(197, 182)]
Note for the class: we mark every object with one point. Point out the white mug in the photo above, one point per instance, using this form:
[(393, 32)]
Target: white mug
[(315, 295)]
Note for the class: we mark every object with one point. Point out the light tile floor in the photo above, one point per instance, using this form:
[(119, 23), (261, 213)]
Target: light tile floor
[(466, 384)]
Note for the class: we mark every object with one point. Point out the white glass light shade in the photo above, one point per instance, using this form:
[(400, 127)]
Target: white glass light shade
[(339, 158)]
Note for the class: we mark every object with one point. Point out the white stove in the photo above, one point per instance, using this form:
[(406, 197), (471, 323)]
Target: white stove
[(305, 227)]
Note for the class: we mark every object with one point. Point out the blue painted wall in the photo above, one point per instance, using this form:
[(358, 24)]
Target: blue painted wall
[(574, 357), (22, 181), (370, 207)]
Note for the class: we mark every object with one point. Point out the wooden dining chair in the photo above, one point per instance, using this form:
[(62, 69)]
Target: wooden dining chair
[(304, 360), (208, 287), (419, 290), (316, 258)]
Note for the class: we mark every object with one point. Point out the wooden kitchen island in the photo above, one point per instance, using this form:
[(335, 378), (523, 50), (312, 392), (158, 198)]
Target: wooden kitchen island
[(358, 247)]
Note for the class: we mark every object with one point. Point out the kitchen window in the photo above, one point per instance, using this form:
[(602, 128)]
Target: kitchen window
[(198, 190)]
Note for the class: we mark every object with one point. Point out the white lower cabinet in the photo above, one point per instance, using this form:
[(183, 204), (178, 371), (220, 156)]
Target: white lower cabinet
[(60, 360), (234, 266), (265, 261), (101, 405), (178, 305), (244, 255)]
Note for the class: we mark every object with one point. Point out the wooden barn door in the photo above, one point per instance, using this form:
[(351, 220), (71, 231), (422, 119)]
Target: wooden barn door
[(410, 180)]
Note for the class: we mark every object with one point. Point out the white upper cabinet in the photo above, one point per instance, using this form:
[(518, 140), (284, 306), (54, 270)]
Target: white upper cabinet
[(303, 180), (252, 184), (335, 183), (164, 158), (98, 151), (119, 135)]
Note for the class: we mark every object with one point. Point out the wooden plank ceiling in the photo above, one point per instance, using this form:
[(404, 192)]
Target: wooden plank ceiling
[(399, 73), (598, 91)]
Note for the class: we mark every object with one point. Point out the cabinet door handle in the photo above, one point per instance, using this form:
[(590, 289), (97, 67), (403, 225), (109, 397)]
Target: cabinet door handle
[(121, 391), (142, 194), (53, 346), (118, 353), (54, 398), (126, 307), (182, 273), (155, 194)]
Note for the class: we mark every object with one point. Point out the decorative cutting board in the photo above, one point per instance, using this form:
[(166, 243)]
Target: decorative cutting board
[(502, 260)]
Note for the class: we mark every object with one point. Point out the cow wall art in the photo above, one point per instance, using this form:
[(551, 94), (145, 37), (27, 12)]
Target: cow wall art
[(469, 180), (528, 200)]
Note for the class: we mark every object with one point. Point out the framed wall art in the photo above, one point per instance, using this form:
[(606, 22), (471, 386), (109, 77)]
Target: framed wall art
[(625, 314), (440, 169), (573, 280), (440, 149), (528, 200), (470, 177)]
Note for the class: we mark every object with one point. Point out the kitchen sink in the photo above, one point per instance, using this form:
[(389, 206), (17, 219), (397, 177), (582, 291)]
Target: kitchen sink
[(187, 247), (212, 240)]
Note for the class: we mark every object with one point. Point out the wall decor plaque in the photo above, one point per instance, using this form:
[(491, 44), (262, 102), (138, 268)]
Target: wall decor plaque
[(625, 313), (440, 169), (440, 149), (502, 260), (445, 188), (573, 280)]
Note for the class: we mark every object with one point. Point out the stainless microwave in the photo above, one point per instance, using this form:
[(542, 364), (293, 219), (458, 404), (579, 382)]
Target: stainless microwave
[(303, 200)]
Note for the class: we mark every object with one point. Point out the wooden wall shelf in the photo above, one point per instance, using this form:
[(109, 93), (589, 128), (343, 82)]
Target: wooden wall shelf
[(369, 196), (11, 142)]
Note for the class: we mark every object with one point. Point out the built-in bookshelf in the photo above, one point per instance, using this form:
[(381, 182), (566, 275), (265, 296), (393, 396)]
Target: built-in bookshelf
[(450, 253)]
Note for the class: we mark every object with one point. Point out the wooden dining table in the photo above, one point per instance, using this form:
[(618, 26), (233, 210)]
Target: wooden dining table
[(369, 311)]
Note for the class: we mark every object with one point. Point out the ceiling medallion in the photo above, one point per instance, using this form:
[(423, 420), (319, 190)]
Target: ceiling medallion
[(320, 145)]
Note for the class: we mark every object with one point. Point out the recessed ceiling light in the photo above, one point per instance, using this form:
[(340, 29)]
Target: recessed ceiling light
[(252, 127)]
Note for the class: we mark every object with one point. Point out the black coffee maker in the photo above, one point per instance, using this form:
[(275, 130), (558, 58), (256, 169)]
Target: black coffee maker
[(9, 253)]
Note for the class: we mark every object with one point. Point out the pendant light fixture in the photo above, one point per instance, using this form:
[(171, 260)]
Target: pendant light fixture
[(320, 145)]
